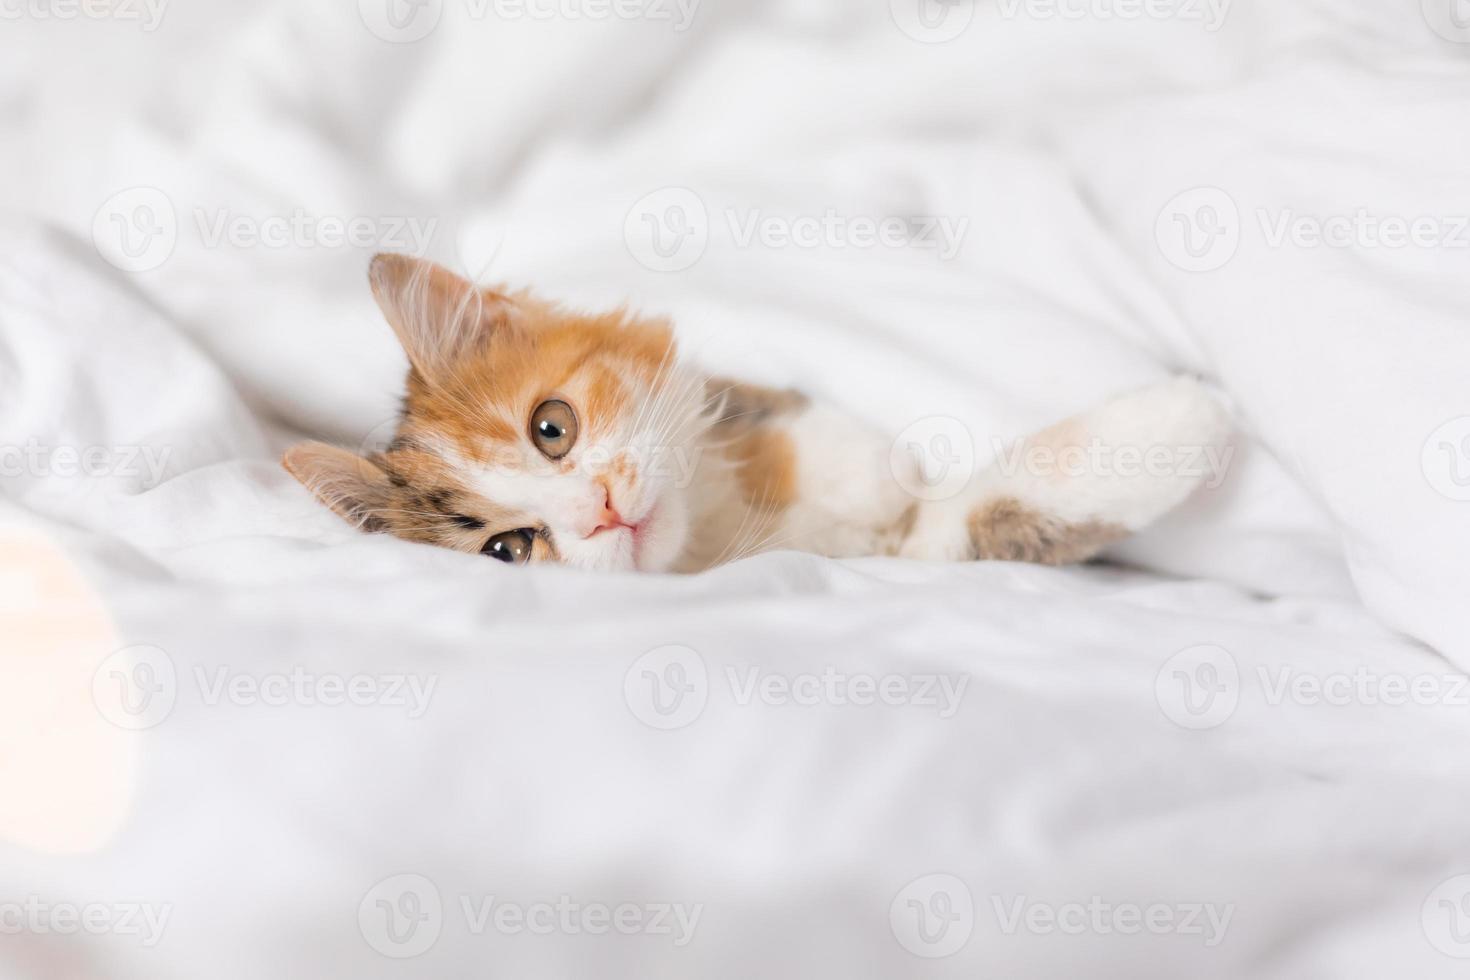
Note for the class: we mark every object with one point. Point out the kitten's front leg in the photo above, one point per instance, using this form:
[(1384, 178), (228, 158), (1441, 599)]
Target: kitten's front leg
[(1066, 493)]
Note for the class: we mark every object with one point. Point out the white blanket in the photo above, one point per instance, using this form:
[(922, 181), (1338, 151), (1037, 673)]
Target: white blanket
[(1242, 756)]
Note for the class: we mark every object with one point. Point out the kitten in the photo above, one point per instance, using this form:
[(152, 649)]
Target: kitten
[(532, 433)]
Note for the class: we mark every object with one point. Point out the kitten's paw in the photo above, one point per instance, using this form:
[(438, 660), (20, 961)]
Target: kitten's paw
[(939, 533)]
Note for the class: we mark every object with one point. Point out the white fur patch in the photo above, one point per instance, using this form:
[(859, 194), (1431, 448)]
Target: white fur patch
[(847, 501)]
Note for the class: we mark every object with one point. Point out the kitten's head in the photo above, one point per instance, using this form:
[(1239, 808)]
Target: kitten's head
[(528, 432)]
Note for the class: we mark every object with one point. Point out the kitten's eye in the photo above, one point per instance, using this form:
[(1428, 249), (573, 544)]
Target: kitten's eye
[(510, 546), (554, 428)]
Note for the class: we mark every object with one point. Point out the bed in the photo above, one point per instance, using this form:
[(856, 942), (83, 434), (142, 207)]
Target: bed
[(242, 740)]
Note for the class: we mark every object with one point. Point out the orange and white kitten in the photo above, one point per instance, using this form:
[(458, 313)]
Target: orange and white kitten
[(534, 433)]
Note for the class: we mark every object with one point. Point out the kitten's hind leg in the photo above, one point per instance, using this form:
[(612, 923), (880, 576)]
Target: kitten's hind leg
[(1066, 493)]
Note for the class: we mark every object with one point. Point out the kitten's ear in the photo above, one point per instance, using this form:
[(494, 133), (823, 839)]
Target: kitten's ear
[(356, 488), (437, 315)]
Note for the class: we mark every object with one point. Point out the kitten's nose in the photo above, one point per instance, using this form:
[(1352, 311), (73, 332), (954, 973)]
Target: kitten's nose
[(609, 518)]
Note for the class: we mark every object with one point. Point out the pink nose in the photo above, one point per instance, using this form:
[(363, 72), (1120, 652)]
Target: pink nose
[(609, 518)]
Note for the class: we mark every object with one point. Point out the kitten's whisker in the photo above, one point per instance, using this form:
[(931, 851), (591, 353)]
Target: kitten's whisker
[(753, 544), (747, 540), (770, 542), (675, 396), (692, 382), (655, 384), (658, 389), (736, 537), (668, 402)]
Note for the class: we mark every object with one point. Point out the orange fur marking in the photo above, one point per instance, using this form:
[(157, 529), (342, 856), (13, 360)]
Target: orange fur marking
[(766, 461)]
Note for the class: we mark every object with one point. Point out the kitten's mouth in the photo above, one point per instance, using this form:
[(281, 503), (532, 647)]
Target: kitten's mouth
[(634, 529), (637, 531), (640, 530)]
